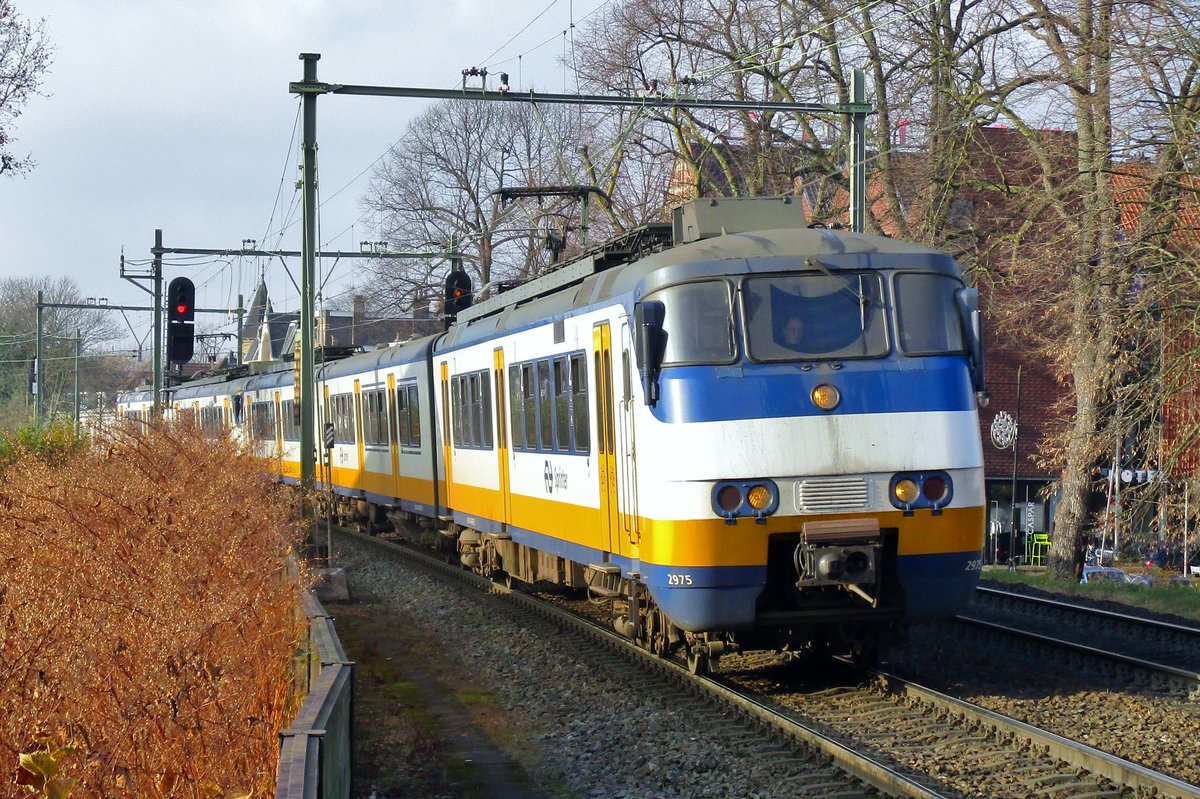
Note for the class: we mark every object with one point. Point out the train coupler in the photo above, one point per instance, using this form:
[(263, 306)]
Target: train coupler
[(843, 553)]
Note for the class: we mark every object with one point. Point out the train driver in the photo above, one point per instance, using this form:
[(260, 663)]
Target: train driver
[(793, 330)]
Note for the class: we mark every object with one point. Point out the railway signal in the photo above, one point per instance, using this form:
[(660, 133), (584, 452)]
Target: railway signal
[(181, 315), (458, 293)]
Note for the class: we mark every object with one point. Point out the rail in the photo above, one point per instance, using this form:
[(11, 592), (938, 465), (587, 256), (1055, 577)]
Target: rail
[(316, 751), (875, 774)]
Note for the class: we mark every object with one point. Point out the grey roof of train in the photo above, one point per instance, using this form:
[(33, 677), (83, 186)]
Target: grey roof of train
[(762, 251), (759, 251), (409, 352)]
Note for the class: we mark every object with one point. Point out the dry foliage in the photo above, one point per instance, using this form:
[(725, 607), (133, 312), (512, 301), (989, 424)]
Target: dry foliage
[(147, 621)]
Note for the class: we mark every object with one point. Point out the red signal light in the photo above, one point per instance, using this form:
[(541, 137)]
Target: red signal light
[(181, 311)]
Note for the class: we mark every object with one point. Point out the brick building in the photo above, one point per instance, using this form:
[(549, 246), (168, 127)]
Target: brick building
[(270, 336)]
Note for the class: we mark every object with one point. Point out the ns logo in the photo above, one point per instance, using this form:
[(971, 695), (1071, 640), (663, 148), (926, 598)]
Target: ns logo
[(555, 478)]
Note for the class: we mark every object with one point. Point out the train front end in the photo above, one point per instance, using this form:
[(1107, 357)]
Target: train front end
[(809, 456)]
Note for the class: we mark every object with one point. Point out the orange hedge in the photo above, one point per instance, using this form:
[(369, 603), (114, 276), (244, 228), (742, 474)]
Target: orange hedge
[(147, 621)]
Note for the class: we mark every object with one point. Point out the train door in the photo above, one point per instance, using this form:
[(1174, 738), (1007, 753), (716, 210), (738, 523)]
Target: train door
[(393, 417), (625, 451), (501, 433), (446, 443), (277, 414), (606, 457), (360, 474), (324, 416)]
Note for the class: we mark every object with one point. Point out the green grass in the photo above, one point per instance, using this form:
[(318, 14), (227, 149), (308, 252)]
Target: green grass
[(1161, 598), (402, 678), (52, 442)]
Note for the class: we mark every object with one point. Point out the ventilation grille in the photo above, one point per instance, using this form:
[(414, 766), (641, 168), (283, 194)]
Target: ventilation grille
[(845, 493)]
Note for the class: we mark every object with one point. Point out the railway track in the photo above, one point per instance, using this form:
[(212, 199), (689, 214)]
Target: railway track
[(822, 766), (894, 736), (1167, 651)]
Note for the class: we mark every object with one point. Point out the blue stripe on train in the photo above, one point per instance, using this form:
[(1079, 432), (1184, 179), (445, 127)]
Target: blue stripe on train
[(725, 597), (940, 585), (708, 598), (759, 391), (714, 598)]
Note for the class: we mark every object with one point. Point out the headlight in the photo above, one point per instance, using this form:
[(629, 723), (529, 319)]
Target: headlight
[(733, 499), (826, 397), (915, 490), (729, 498), (934, 488), (906, 491), (759, 497)]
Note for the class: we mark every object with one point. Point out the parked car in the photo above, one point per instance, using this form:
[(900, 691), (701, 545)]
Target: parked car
[(1103, 574), (1097, 556)]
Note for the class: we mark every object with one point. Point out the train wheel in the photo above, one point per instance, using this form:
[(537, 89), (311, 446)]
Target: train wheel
[(662, 638), (865, 652), (660, 642), (704, 657), (648, 629), (653, 633)]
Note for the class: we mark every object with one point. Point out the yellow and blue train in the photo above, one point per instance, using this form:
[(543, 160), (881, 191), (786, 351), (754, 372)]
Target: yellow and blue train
[(743, 431)]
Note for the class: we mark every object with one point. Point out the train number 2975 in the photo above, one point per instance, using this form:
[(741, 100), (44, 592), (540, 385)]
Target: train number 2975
[(679, 579), (975, 565)]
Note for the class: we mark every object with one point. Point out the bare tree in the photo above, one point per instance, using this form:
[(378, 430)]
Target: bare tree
[(698, 48), (929, 62), (1157, 128), (25, 55), (1092, 276), (436, 191), (18, 333)]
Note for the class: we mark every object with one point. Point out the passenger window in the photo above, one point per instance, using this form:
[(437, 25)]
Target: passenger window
[(545, 407), (579, 403), (562, 405), (516, 407), (529, 401)]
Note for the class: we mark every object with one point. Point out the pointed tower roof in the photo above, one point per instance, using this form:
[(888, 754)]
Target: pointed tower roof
[(260, 309), (260, 305)]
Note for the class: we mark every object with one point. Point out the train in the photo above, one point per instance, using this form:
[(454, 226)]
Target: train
[(738, 430)]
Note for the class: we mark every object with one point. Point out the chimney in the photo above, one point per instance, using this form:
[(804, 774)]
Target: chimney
[(358, 313)]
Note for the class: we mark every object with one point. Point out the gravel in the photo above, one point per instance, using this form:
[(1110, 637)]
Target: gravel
[(597, 734), (1075, 699)]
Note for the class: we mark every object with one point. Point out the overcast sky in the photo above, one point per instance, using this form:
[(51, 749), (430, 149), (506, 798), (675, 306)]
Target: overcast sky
[(176, 115)]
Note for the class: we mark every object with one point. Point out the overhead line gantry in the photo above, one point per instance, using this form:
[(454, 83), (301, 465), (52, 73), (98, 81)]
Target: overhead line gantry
[(309, 88)]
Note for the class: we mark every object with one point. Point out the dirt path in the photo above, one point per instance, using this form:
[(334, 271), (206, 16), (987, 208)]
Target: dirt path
[(423, 728)]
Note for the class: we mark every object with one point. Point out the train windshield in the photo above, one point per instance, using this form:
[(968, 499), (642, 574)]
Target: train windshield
[(698, 323), (926, 314), (815, 316)]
